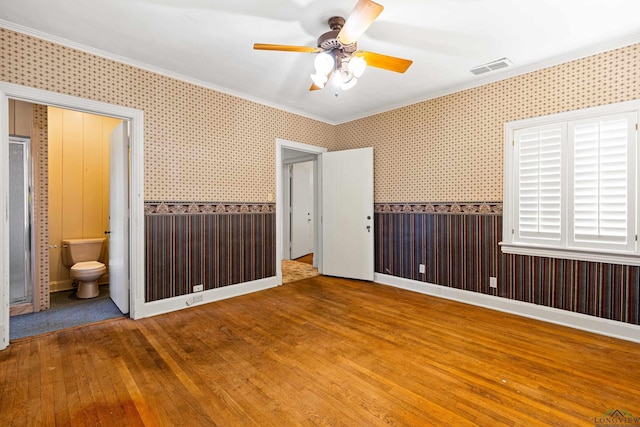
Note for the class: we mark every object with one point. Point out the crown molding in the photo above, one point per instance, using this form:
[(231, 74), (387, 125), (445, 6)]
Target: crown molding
[(476, 82), (153, 69), (508, 73)]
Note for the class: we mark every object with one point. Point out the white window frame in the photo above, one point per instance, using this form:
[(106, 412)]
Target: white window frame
[(566, 248)]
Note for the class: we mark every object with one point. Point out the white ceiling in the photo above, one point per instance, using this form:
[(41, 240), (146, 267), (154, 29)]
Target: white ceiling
[(210, 42)]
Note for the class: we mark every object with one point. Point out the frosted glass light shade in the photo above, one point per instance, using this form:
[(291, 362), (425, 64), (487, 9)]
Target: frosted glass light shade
[(324, 63), (319, 80), (348, 84), (357, 65)]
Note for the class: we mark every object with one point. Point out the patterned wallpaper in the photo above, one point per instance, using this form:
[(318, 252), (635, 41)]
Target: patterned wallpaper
[(41, 203), (451, 148), (460, 250), (200, 144), (213, 244)]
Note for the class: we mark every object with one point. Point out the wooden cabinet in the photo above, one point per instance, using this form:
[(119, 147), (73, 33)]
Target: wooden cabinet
[(20, 118)]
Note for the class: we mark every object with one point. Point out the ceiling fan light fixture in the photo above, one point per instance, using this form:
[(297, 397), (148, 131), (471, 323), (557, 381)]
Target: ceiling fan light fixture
[(357, 65), (338, 57), (319, 80), (349, 83), (324, 63)]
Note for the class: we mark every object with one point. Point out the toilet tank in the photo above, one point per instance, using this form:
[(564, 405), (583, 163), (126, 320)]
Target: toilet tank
[(79, 250)]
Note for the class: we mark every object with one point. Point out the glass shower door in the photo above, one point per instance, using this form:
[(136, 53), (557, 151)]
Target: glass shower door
[(21, 289)]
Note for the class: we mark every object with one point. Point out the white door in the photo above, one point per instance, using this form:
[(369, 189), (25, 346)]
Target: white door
[(119, 217), (347, 214), (301, 209)]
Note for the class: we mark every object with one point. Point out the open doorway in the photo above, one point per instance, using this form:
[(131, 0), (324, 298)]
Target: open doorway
[(72, 203), (343, 204), (297, 230), (132, 212), (300, 219)]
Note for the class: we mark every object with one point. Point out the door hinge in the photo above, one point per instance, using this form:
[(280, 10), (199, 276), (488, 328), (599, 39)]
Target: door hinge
[(513, 142), (513, 231)]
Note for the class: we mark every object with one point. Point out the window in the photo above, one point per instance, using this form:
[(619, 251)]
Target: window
[(571, 185)]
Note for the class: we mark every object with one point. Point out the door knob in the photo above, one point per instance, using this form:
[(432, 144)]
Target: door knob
[(107, 232)]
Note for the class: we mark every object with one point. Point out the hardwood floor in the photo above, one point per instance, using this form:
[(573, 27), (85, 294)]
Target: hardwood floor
[(307, 259), (320, 351)]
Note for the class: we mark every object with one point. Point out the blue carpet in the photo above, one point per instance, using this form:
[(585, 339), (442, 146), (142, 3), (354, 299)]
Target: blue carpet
[(66, 311)]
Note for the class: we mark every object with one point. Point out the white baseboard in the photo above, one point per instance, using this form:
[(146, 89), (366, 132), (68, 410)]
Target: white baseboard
[(580, 321), (185, 301)]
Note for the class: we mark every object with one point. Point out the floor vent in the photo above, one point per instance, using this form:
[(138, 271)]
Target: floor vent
[(491, 66)]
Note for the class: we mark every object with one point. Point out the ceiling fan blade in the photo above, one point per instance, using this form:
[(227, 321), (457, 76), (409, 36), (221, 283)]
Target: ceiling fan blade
[(286, 48), (385, 62), (360, 19)]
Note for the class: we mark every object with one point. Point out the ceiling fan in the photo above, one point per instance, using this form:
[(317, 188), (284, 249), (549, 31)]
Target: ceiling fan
[(338, 56)]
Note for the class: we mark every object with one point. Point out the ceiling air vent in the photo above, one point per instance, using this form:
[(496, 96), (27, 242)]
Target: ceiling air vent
[(491, 66)]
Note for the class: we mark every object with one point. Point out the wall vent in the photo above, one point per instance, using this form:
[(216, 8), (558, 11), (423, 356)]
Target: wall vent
[(491, 66)]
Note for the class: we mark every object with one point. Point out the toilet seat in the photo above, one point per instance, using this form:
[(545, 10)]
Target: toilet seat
[(88, 270), (87, 266), (86, 275)]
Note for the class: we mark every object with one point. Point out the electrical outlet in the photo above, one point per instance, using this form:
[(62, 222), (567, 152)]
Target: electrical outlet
[(422, 269), (493, 282), (195, 298), (198, 288)]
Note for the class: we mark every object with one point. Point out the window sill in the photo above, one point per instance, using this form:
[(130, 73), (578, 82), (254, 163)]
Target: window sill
[(572, 254)]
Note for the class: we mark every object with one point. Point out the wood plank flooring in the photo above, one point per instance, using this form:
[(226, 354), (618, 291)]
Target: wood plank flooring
[(321, 351)]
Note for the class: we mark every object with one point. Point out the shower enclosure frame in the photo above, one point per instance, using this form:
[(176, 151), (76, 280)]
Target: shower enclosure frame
[(25, 303)]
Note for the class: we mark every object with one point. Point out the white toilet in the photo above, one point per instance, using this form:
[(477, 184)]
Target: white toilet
[(83, 256)]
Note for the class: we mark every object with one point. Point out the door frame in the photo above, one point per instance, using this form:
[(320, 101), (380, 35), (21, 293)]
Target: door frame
[(289, 202), (136, 187), (307, 153)]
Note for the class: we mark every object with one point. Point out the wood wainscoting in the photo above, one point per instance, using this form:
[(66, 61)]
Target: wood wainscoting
[(320, 351)]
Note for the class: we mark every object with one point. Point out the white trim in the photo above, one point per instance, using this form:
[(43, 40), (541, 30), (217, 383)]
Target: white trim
[(4, 222), (476, 82), (185, 301), (596, 325), (136, 186), (282, 144), (574, 253)]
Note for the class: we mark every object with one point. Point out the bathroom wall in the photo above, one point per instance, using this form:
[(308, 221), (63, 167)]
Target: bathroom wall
[(40, 155), (78, 153)]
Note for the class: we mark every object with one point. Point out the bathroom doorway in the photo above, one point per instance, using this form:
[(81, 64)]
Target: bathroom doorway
[(75, 181), (133, 217)]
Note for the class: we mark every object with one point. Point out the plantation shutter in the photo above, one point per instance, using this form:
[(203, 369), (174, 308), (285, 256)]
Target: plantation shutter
[(572, 185), (602, 180), (538, 153)]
